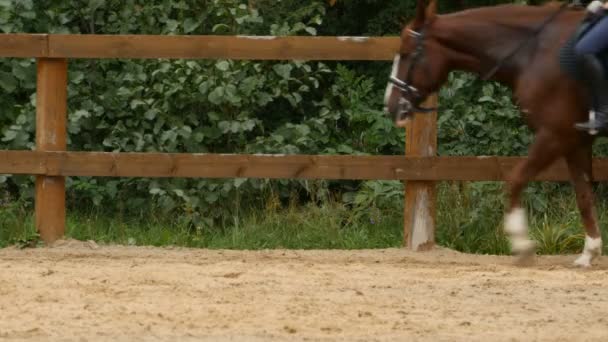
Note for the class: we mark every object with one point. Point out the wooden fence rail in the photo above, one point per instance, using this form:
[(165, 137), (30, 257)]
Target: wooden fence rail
[(184, 165), (51, 163), (198, 47)]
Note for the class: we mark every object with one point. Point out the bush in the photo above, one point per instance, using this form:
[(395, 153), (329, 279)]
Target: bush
[(190, 106)]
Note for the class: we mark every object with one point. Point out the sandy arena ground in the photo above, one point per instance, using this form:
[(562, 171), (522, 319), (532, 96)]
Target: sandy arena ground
[(79, 291)]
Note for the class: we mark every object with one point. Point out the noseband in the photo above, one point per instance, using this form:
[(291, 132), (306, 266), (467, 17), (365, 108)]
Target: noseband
[(410, 95)]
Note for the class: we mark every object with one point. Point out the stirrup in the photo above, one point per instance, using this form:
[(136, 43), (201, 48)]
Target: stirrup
[(593, 126)]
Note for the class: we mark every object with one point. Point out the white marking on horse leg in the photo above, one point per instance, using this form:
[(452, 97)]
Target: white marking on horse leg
[(516, 226), (516, 222), (593, 249), (389, 87)]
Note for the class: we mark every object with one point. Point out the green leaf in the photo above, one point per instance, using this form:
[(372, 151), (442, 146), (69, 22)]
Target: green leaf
[(231, 94), (137, 103), (224, 126), (220, 27), (239, 181), (211, 197), (172, 25), (95, 4), (151, 113), (222, 65), (9, 135), (76, 77), (28, 14), (249, 84), (248, 125), (27, 4), (191, 24), (8, 82), (311, 30), (283, 70), (263, 98), (235, 127), (21, 119), (217, 95), (124, 92), (81, 113), (203, 88), (157, 191)]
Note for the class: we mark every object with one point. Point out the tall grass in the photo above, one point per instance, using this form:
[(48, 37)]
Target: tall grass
[(469, 219), (16, 223), (318, 227)]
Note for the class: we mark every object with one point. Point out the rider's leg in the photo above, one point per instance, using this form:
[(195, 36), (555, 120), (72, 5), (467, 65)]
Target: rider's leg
[(587, 49)]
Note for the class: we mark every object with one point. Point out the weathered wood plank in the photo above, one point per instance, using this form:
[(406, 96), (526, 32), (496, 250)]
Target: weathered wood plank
[(223, 47), (51, 135), (158, 165), (24, 45), (419, 210)]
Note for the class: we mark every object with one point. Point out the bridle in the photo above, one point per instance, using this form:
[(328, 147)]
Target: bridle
[(410, 95)]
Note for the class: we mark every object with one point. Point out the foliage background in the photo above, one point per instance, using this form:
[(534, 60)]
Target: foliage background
[(239, 106)]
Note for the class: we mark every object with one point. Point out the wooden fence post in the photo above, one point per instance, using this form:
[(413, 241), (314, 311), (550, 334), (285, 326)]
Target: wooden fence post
[(419, 214), (51, 135)]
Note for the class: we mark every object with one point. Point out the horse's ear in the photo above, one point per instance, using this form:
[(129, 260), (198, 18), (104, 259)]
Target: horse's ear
[(425, 10), (431, 10), (420, 13)]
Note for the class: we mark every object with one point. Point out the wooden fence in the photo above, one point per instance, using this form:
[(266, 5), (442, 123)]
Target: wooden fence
[(51, 163)]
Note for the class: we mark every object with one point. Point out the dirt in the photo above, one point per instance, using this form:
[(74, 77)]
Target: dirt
[(79, 291)]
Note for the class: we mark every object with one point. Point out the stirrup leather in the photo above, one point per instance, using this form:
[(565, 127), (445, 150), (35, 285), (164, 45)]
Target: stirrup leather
[(592, 118)]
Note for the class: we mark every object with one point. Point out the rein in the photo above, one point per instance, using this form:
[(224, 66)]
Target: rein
[(537, 31)]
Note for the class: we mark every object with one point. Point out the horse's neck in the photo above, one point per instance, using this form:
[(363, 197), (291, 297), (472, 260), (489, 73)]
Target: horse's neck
[(478, 44)]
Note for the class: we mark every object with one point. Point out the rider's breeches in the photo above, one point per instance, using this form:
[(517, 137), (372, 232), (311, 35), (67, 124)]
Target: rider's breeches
[(595, 40)]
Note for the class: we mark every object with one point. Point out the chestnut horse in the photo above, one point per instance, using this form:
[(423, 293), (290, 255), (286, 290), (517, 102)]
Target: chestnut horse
[(518, 46)]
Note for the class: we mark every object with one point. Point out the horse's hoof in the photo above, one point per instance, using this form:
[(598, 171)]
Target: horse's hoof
[(526, 259), (592, 250), (524, 251), (523, 247), (583, 261)]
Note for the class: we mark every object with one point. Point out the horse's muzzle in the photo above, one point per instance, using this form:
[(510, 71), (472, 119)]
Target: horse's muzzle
[(403, 112)]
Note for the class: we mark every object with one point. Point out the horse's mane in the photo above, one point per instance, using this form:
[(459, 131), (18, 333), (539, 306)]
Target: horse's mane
[(511, 15)]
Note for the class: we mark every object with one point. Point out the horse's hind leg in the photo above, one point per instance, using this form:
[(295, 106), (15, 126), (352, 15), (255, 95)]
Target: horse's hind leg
[(579, 165), (544, 151)]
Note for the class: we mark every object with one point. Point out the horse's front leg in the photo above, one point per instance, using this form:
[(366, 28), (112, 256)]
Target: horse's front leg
[(544, 151), (579, 165)]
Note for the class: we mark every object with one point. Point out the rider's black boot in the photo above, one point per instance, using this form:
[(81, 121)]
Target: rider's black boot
[(597, 84)]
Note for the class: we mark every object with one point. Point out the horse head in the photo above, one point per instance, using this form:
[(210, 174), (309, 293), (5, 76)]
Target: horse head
[(419, 67)]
